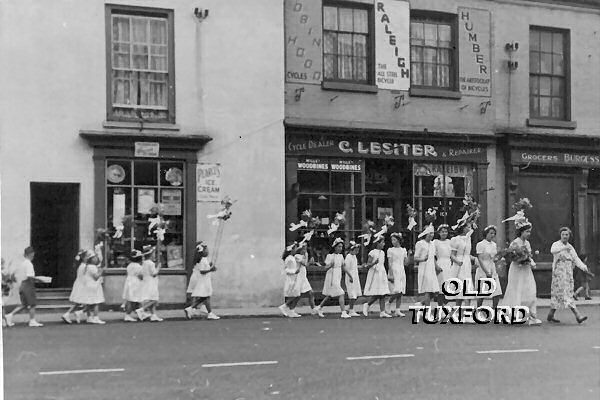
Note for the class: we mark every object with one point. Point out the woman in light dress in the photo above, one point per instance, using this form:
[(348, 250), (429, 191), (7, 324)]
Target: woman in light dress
[(521, 288), (77, 291), (351, 279), (132, 289), (442, 259), (376, 285), (427, 280), (291, 291), (149, 289), (203, 290), (332, 287), (397, 257), (565, 259), (486, 252), (302, 284), (93, 295)]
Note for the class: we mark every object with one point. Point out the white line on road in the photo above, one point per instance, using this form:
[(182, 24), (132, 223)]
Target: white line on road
[(236, 364), (82, 371), (507, 351), (379, 357), (596, 347)]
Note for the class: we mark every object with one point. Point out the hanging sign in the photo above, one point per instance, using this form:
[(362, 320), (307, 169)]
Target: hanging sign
[(208, 182), (303, 41), (475, 52), (392, 47), (147, 149)]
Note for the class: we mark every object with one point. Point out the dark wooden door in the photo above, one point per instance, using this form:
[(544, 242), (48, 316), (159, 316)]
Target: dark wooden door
[(593, 237)]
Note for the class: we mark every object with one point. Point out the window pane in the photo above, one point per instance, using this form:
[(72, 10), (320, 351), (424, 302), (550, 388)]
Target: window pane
[(557, 65), (557, 43), (118, 206), (361, 21), (557, 87), (346, 19), (118, 172), (139, 26), (171, 174), (546, 42), (534, 40), (360, 68), (330, 18), (428, 74), (557, 108), (158, 31), (416, 32), (534, 62), (546, 63), (329, 46), (545, 85), (345, 44), (534, 85), (345, 67), (430, 55), (329, 66), (545, 106), (416, 53), (443, 76), (430, 35), (122, 87), (172, 201), (143, 202), (426, 186), (312, 181), (120, 29), (445, 35), (534, 108), (360, 45), (416, 73), (145, 173), (340, 182), (444, 57), (140, 57)]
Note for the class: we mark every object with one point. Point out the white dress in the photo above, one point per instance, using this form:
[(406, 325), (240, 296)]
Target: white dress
[(442, 254), (333, 278), (203, 286), (91, 288), (132, 290), (290, 289), (193, 280), (490, 249), (426, 277), (396, 258), (77, 292), (377, 283), (303, 286), (150, 281), (462, 245), (521, 288), (352, 288)]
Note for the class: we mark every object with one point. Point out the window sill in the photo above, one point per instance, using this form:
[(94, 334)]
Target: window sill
[(437, 93), (149, 126), (551, 123), (349, 87)]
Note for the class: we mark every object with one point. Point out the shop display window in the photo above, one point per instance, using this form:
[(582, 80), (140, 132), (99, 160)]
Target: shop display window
[(133, 188)]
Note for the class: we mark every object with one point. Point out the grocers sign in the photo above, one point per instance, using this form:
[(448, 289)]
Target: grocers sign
[(384, 148)]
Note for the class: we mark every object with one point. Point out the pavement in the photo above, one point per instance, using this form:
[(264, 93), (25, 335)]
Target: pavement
[(304, 358)]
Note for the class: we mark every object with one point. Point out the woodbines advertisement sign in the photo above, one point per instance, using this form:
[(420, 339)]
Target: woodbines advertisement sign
[(383, 148)]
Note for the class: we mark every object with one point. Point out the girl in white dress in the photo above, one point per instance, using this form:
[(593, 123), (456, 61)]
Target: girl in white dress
[(425, 258), (291, 291), (351, 279), (203, 290), (149, 285), (132, 290), (486, 252), (93, 295), (462, 262), (302, 280), (77, 291), (376, 285), (442, 259), (397, 256), (332, 287)]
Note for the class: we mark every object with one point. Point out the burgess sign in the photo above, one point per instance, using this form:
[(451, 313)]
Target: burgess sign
[(555, 158)]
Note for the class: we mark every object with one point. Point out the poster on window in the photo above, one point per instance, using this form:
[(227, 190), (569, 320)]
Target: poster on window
[(475, 77), (145, 200), (392, 46), (208, 182), (448, 178), (303, 41), (171, 201), (118, 209)]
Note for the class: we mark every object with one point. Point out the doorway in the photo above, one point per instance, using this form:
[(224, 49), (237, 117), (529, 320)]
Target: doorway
[(55, 230), (593, 236)]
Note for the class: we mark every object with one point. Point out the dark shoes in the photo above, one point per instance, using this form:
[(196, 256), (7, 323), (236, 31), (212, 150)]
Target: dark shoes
[(552, 319), (581, 319)]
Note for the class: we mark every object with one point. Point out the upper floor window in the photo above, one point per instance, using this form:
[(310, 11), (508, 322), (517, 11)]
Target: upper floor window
[(346, 43), (548, 61), (141, 84), (432, 52)]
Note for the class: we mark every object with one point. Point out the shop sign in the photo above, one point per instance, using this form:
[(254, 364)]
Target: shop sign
[(392, 62), (208, 182), (384, 149), (335, 165), (474, 52), (171, 201), (147, 149), (303, 41), (556, 158), (313, 164)]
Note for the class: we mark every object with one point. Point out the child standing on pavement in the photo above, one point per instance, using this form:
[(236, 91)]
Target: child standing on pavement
[(149, 285), (302, 280), (352, 280), (203, 289), (397, 256), (332, 287), (92, 293), (26, 291), (76, 297), (376, 285), (132, 290), (291, 291)]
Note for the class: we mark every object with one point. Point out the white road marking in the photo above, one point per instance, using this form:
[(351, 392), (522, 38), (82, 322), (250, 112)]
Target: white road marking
[(596, 347), (507, 351), (380, 357), (236, 364), (82, 371)]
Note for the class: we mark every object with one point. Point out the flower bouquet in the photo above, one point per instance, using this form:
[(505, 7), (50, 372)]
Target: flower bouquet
[(431, 215), (517, 254), (368, 232)]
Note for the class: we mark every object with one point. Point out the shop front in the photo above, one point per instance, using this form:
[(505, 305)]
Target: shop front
[(564, 188), (369, 176)]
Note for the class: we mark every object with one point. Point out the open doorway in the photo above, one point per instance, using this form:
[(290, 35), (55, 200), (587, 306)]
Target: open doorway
[(55, 230)]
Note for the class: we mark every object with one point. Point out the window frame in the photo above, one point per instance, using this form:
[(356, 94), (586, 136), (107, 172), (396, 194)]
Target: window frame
[(370, 57), (566, 33), (168, 14), (452, 20)]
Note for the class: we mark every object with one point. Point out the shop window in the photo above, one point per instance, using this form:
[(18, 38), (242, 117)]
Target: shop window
[(432, 51), (548, 63), (443, 186), (133, 188), (347, 43), (140, 63)]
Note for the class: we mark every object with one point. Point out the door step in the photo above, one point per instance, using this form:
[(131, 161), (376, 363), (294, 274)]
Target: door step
[(53, 300)]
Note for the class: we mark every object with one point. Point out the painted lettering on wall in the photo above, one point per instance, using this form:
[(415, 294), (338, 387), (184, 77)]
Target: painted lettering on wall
[(557, 158), (208, 182), (475, 52), (392, 48), (304, 40)]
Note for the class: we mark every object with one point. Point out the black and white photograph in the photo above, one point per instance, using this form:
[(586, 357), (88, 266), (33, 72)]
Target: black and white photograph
[(300, 199)]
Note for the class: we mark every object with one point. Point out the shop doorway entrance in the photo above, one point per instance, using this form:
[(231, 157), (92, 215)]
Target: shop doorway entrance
[(593, 236), (55, 230)]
